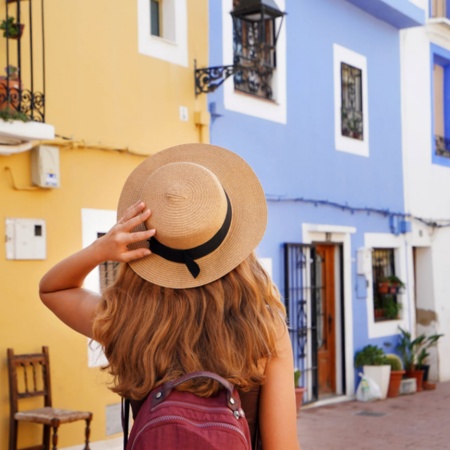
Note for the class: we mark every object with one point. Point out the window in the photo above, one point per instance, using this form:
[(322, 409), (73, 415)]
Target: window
[(155, 17), (440, 70), (386, 285), (107, 271), (438, 8), (351, 102), (442, 141), (247, 37), (162, 30), (252, 105)]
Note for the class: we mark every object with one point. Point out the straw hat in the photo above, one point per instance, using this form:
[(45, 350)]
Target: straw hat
[(208, 209)]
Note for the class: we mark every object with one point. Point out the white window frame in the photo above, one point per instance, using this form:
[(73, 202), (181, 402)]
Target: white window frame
[(93, 222), (388, 327), (274, 110), (172, 46), (344, 143)]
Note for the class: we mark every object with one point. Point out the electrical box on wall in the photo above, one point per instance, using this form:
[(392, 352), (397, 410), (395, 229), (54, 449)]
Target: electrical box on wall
[(25, 239), (363, 261), (45, 166)]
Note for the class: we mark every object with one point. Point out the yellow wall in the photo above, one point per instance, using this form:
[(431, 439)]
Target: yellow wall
[(100, 90)]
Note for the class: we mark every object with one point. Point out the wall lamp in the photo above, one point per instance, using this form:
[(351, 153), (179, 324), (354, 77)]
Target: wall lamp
[(255, 36)]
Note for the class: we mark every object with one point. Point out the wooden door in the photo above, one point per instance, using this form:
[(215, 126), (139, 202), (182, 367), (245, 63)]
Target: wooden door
[(325, 310)]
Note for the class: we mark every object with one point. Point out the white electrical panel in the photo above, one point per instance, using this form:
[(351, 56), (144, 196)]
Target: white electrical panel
[(45, 166), (363, 261), (25, 239)]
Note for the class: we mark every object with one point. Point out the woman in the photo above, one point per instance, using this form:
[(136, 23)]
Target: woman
[(190, 294)]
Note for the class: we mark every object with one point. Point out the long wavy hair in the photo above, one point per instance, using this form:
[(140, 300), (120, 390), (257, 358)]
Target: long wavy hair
[(151, 334)]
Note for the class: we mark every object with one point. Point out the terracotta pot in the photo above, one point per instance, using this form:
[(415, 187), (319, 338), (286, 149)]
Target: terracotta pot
[(418, 375), (14, 87), (299, 391), (383, 287), (395, 381)]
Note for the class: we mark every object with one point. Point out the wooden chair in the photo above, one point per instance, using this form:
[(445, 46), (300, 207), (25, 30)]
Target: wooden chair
[(29, 376)]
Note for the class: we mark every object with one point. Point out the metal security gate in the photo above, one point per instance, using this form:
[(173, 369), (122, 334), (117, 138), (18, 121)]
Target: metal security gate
[(300, 292)]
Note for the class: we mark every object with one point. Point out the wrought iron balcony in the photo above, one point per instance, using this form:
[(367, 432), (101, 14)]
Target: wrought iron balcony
[(22, 86)]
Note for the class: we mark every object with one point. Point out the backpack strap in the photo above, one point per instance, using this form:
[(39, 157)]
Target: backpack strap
[(125, 419), (159, 394)]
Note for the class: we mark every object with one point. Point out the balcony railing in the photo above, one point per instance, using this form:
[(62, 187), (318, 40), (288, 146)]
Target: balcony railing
[(442, 145), (22, 86)]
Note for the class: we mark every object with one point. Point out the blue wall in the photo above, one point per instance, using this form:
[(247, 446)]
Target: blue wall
[(299, 159)]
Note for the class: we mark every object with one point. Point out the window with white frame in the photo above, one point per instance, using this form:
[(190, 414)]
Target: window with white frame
[(236, 96), (96, 222), (386, 285), (350, 101), (162, 30)]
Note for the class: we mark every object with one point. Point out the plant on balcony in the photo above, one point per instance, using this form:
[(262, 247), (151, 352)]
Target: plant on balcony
[(10, 114), (11, 28), (390, 285)]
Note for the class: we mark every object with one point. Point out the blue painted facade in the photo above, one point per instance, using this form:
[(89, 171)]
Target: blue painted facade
[(306, 180)]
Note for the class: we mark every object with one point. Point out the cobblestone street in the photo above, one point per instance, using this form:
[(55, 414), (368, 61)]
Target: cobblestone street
[(419, 421)]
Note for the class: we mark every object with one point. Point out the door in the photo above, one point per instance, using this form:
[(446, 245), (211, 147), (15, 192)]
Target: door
[(325, 312)]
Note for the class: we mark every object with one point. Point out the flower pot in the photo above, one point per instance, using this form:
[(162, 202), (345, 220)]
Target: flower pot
[(383, 287), (418, 375), (381, 375), (299, 391), (395, 380), (13, 88)]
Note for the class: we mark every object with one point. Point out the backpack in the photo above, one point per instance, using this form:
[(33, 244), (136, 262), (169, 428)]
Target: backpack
[(170, 419)]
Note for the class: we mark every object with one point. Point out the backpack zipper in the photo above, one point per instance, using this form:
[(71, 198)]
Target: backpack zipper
[(190, 422), (194, 406)]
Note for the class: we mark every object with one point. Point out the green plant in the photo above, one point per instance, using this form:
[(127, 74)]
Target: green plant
[(370, 355), (414, 351), (297, 374), (12, 72), (8, 115), (391, 307), (10, 28), (394, 361)]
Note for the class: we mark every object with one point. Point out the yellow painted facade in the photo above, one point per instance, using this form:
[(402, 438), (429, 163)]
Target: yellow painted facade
[(115, 105)]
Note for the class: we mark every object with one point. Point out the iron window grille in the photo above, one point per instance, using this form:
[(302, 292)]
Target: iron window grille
[(254, 42), (351, 102), (386, 303), (107, 271)]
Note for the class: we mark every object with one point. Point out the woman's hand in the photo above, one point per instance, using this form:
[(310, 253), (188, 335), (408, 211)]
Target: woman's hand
[(113, 246)]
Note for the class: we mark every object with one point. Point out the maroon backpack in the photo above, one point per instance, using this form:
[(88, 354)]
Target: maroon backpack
[(170, 419)]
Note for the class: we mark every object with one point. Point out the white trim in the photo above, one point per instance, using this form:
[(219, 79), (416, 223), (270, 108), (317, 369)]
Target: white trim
[(344, 143), (339, 235), (172, 47), (274, 111), (94, 221), (388, 327)]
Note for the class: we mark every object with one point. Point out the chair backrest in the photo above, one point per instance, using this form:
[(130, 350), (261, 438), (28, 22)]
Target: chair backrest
[(29, 376)]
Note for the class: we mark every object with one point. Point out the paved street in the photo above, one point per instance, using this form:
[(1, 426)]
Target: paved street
[(417, 421)]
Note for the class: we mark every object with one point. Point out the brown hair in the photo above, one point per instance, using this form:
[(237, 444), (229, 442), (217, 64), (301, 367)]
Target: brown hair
[(153, 334)]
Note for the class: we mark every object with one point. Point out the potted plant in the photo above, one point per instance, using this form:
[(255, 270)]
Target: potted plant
[(397, 372), (390, 285), (391, 307), (414, 352), (11, 28), (299, 391), (372, 360)]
